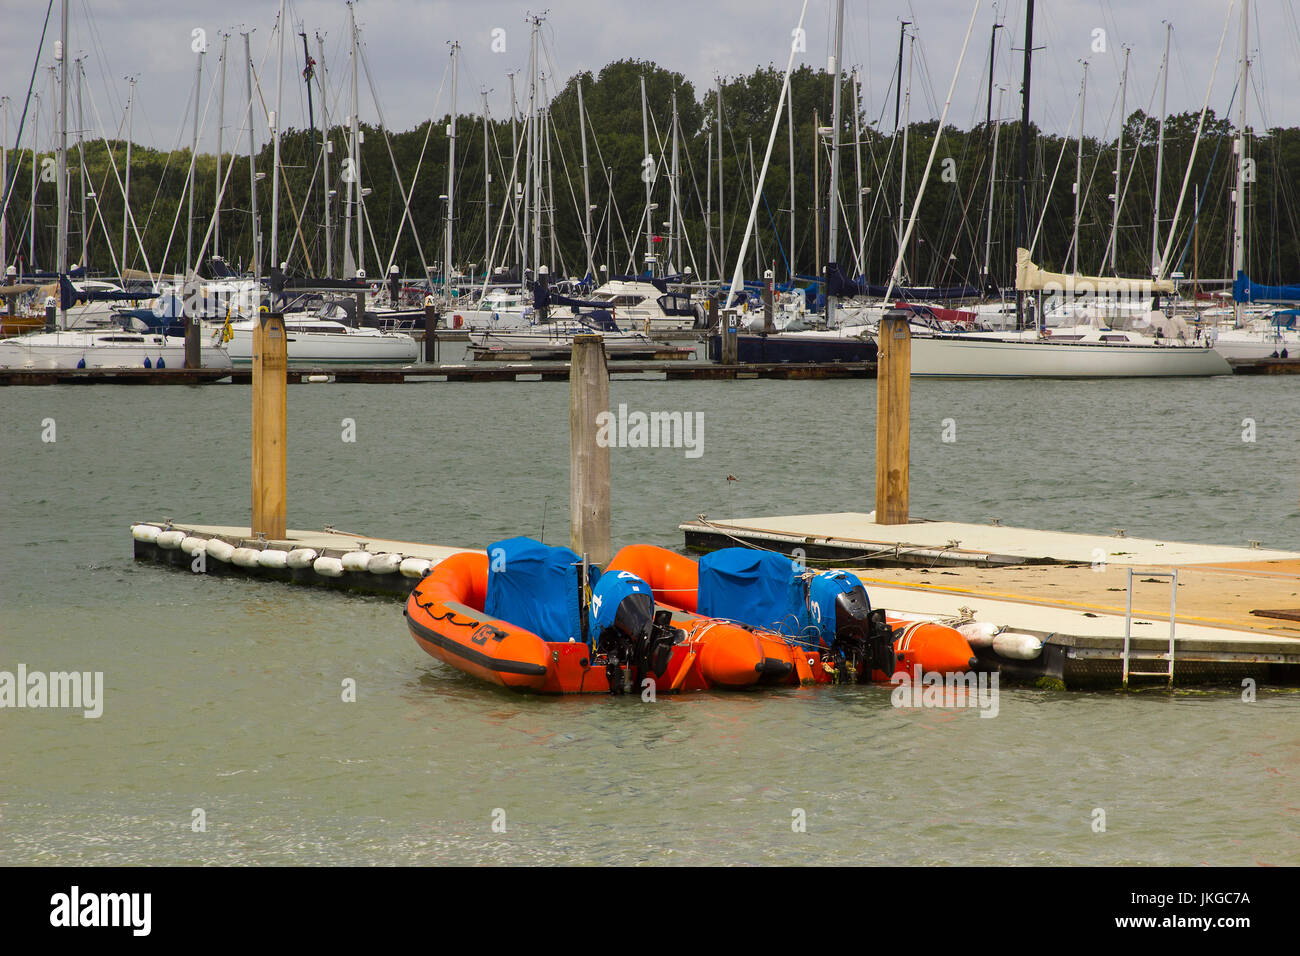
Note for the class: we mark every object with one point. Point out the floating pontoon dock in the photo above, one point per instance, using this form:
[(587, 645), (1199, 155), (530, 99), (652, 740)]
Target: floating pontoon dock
[(451, 372), (1237, 610)]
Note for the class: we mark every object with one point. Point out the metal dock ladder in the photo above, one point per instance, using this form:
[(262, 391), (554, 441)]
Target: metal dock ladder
[(1128, 628)]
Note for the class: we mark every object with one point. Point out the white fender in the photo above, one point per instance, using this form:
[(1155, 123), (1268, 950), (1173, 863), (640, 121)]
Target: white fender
[(245, 557), (221, 550), (415, 567), (171, 540), (272, 558), (1021, 647), (329, 567), (978, 633), (385, 563), (147, 533), (301, 558), (194, 546), (356, 560)]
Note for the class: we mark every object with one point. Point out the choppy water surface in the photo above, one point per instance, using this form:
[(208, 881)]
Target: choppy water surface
[(226, 695)]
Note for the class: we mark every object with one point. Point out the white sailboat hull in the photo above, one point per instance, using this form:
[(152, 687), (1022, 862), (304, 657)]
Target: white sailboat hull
[(361, 347), (104, 349), (969, 357), (1243, 344)]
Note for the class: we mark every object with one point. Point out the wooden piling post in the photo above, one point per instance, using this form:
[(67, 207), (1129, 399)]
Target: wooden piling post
[(589, 499), (730, 331), (769, 325), (269, 426), (193, 347), (893, 420), (430, 329)]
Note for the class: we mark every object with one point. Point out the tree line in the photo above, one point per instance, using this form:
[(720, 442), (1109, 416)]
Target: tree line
[(948, 245)]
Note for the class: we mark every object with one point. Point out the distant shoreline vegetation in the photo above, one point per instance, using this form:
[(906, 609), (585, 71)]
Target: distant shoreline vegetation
[(948, 248)]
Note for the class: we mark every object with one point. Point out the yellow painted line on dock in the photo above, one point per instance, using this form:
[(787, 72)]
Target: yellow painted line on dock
[(1023, 599)]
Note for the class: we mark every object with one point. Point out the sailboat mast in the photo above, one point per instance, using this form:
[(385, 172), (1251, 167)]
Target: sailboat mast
[(4, 186), (535, 156), (586, 183), (708, 208), (648, 167), (515, 241), (1078, 171), (907, 122), (1119, 163), (859, 266), (252, 164), (62, 56), (833, 234), (194, 155), (126, 188), (1160, 154), (722, 237), (276, 266), (789, 124), (31, 219), (451, 175), (357, 197), (308, 71), (325, 157), (487, 191), (1239, 194), (993, 160), (674, 253), (81, 162), (817, 186), (550, 178), (1196, 242), (1022, 205), (221, 120), (993, 168)]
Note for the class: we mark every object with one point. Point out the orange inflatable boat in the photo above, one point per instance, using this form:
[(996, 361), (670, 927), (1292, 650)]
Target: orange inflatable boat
[(674, 648), (899, 645)]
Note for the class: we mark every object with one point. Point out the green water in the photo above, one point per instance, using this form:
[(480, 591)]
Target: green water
[(226, 695)]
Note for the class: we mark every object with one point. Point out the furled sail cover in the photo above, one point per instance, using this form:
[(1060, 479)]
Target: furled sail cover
[(757, 588), (543, 298), (1243, 290), (1030, 278), (71, 295), (536, 586)]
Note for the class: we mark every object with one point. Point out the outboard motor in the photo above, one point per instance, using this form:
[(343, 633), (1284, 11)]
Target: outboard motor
[(858, 639), (635, 640)]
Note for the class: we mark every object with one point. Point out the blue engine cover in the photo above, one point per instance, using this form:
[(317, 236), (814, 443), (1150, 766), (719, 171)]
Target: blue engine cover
[(757, 588), (608, 594), (822, 592), (536, 586)]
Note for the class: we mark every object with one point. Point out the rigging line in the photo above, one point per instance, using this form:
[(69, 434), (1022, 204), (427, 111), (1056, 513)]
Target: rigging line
[(23, 118), (406, 197), (737, 276), (506, 208), (1092, 174), (1051, 187), (916, 206), (609, 182), (1200, 125), (230, 169)]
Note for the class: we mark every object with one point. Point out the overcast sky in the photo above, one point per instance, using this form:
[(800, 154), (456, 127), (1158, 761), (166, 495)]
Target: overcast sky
[(406, 44)]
